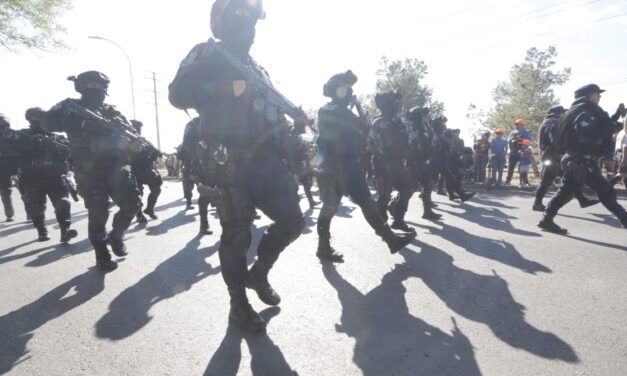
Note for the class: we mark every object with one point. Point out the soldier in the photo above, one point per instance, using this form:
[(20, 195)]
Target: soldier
[(245, 137), (420, 155), (342, 142), (445, 160), (192, 149), (551, 161), (299, 163), (100, 159), (143, 167), (9, 162), (584, 137), (388, 141), (44, 169)]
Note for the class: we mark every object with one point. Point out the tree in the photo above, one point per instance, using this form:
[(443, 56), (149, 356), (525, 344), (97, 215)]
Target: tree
[(528, 94), (32, 24), (406, 76)]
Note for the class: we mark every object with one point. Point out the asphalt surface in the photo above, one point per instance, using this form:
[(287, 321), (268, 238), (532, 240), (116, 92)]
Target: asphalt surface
[(481, 293)]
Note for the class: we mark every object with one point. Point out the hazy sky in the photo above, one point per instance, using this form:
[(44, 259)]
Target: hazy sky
[(468, 45)]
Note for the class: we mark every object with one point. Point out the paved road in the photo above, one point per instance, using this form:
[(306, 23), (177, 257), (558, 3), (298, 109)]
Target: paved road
[(482, 293)]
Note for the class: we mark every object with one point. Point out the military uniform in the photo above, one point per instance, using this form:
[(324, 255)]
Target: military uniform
[(389, 144), (299, 163), (101, 165), (43, 174), (583, 138), (245, 139), (342, 142), (551, 161), (9, 162), (145, 173)]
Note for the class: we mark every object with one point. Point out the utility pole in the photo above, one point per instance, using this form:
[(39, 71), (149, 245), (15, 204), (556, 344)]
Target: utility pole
[(155, 92)]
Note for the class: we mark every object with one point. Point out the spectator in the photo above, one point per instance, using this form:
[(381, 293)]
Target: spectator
[(515, 141), (482, 157), (498, 147), (526, 158)]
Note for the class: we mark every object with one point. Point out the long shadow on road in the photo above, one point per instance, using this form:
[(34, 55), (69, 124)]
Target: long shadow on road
[(484, 299), (491, 218), (266, 356), (391, 341), (129, 312), (497, 250), (17, 327)]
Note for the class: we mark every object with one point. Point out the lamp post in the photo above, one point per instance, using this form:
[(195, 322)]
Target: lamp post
[(130, 68)]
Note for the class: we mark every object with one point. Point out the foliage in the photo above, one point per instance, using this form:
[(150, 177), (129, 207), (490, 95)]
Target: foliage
[(31, 24), (405, 76), (528, 94)]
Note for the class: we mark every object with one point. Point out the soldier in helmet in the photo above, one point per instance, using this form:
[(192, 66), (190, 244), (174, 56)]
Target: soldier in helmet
[(43, 174), (245, 137), (101, 163), (388, 142), (342, 141), (584, 137), (143, 167), (9, 162)]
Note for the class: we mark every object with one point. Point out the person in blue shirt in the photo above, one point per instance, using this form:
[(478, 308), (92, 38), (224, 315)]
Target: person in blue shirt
[(526, 159), (498, 148), (515, 140)]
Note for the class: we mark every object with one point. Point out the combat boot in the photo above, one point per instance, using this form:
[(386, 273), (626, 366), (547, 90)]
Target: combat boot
[(189, 205), (151, 213), (548, 225), (395, 241), (67, 234), (117, 245), (465, 196), (10, 219), (313, 203), (103, 258), (258, 280), (326, 252), (204, 228), (588, 203), (43, 234), (623, 220), (243, 315), (141, 218), (401, 225), (538, 206), (453, 197), (430, 215)]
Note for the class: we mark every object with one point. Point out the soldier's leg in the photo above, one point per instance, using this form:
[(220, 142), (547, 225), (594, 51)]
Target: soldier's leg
[(154, 184), (405, 188), (603, 189), (203, 211), (572, 183), (384, 188), (188, 187), (548, 176), (125, 193), (5, 195), (307, 184), (59, 193), (357, 189), (331, 195), (36, 196)]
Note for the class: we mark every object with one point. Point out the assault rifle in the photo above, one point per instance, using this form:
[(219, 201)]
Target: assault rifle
[(71, 188), (41, 142), (363, 115), (116, 127), (258, 81)]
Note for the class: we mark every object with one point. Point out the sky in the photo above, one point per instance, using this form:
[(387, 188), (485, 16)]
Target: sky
[(469, 47)]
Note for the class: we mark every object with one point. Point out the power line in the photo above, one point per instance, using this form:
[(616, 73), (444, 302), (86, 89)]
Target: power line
[(469, 33)]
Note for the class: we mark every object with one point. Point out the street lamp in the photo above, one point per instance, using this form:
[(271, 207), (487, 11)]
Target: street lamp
[(130, 68)]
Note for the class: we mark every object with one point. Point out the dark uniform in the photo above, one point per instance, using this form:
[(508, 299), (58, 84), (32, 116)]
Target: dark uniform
[(101, 165), (446, 160), (299, 163), (584, 137), (551, 161), (143, 168), (192, 150), (389, 144), (246, 138), (342, 141), (9, 163), (43, 174), (420, 156)]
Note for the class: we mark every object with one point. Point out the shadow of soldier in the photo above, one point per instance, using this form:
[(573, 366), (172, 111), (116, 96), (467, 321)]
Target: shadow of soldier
[(389, 340), (129, 311), (484, 299), (266, 357), (179, 219), (491, 218), (497, 250), (51, 253), (17, 327)]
